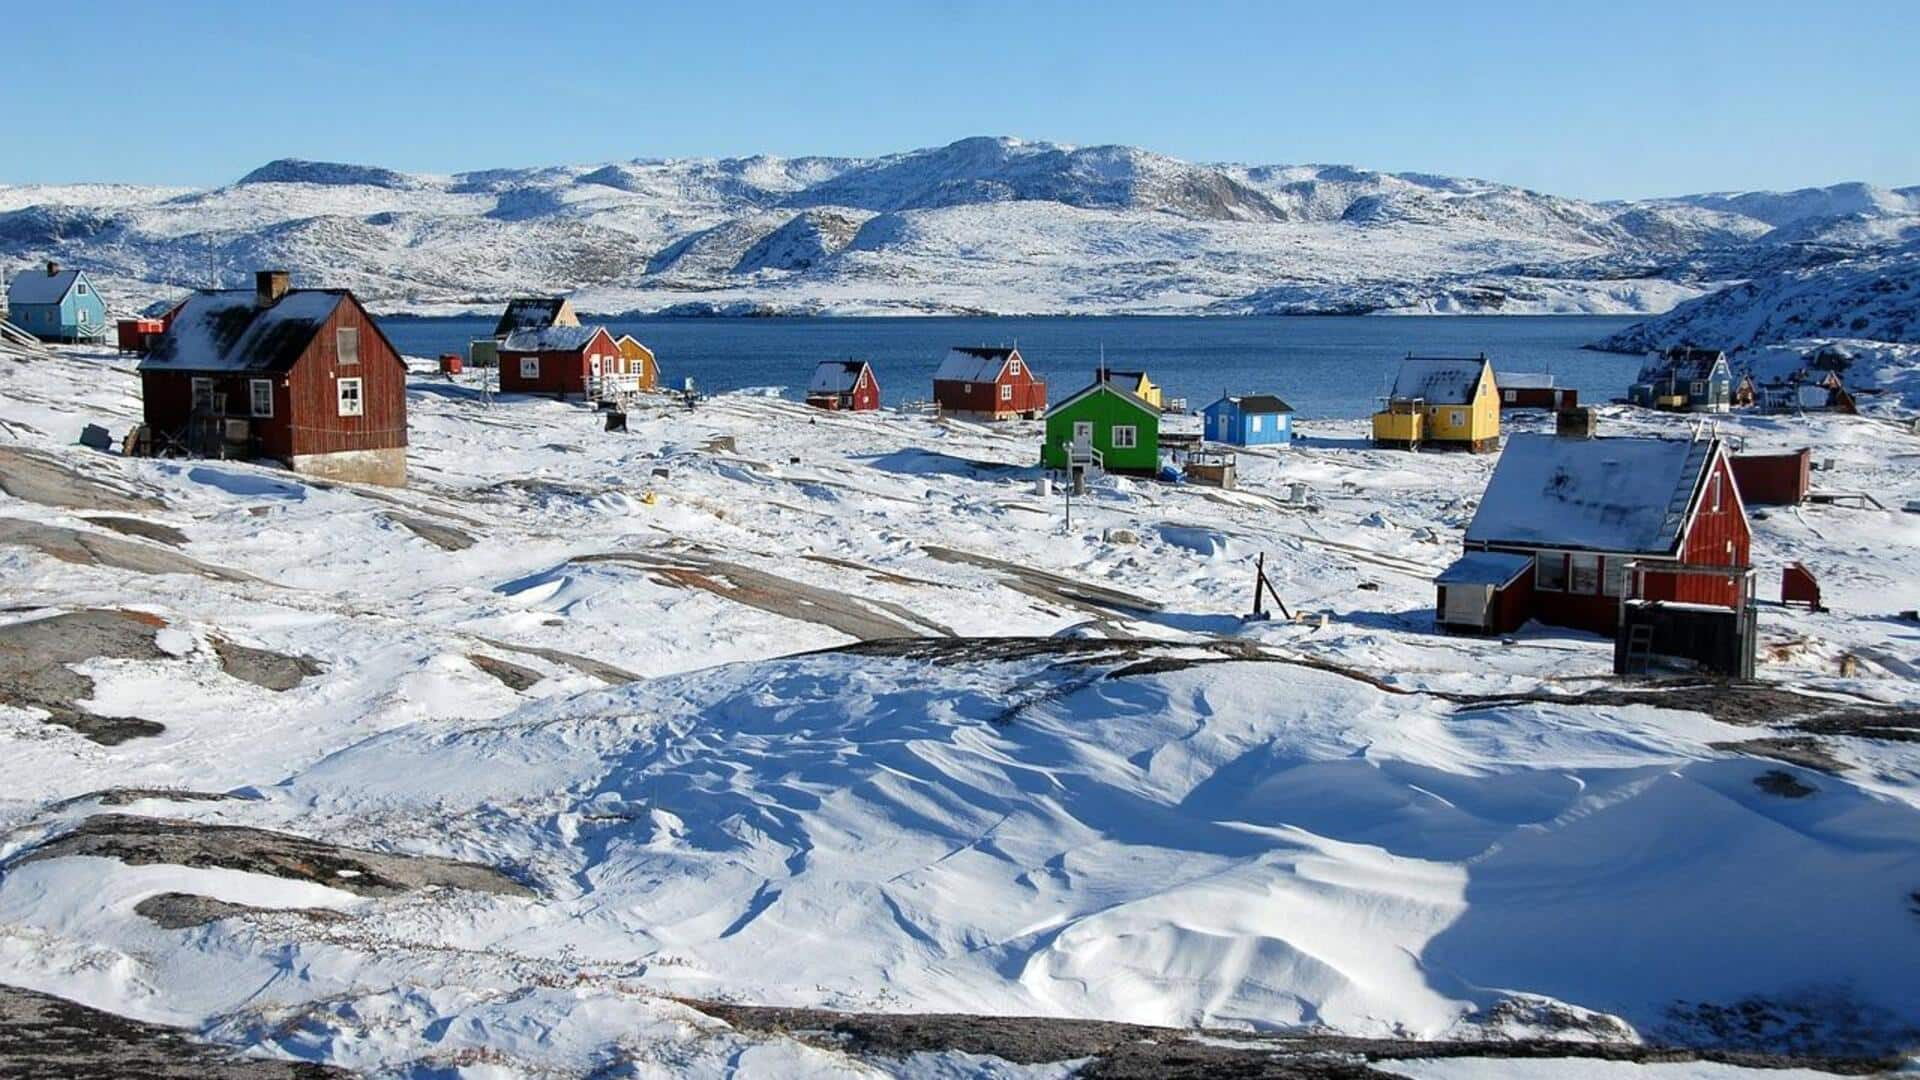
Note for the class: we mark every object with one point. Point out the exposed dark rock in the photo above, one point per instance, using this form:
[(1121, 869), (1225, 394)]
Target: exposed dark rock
[(34, 671), (43, 1037), (261, 667), (515, 676), (181, 911)]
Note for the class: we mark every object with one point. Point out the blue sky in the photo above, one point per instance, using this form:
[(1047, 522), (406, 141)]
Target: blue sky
[(1595, 100)]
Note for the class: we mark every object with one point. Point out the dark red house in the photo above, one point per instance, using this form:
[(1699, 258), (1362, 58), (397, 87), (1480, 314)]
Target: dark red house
[(559, 360), (1585, 511), (302, 376), (988, 384), (1533, 390), (847, 385)]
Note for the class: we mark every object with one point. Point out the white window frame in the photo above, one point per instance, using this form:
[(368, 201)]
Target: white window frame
[(1510, 396), (530, 368), (1013, 367), (1583, 573), (1458, 418), (1558, 581), (1082, 431), (202, 389), (1613, 577), (354, 404), (347, 355), (1253, 423), (1713, 488), (254, 388), (1006, 391), (1126, 437), (1699, 387)]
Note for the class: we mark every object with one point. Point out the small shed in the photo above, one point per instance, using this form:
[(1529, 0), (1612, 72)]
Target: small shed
[(1534, 390), (137, 335), (844, 385), (56, 304), (1485, 592), (567, 361), (304, 376), (988, 383), (1249, 420), (1119, 431), (1774, 479), (1441, 401)]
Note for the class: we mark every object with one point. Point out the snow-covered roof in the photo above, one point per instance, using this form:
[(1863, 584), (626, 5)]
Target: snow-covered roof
[(1484, 568), (39, 287), (836, 376), (549, 339), (1626, 495), (1683, 362), (529, 313), (1439, 380), (226, 330), (1256, 404), (1525, 380), (980, 364), (1096, 387)]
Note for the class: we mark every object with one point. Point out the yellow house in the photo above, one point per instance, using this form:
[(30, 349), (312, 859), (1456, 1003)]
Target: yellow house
[(637, 359), (1137, 384), (1441, 401)]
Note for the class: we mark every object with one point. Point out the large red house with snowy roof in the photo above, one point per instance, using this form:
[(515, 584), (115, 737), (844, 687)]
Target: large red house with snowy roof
[(988, 383), (1568, 528), (303, 376)]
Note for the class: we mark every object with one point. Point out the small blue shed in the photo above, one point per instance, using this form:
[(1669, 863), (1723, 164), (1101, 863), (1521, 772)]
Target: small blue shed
[(57, 305), (1249, 420)]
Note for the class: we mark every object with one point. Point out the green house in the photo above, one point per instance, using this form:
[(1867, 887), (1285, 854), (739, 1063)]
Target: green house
[(1123, 430)]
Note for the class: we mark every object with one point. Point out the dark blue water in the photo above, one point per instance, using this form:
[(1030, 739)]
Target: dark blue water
[(1323, 366)]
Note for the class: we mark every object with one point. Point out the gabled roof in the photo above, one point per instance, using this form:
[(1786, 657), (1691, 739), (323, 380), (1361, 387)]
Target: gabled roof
[(638, 347), (1439, 380), (1097, 387), (36, 286), (1685, 362), (529, 313), (1632, 496), (978, 364), (1485, 568), (836, 376), (550, 339), (225, 330), (1256, 404)]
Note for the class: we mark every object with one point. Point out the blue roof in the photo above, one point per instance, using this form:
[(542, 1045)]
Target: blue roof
[(1484, 568), (39, 287)]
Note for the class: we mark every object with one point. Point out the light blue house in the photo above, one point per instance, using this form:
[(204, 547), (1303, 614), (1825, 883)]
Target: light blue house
[(57, 305), (1249, 420)]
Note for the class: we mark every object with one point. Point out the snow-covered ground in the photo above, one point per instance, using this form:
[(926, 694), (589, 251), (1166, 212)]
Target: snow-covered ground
[(641, 691), (994, 225)]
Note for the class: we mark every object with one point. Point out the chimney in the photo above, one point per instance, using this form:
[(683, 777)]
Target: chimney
[(269, 286), (53, 268)]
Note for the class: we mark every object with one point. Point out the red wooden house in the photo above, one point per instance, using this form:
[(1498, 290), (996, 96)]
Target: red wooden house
[(847, 385), (562, 360), (1533, 390), (1610, 519), (303, 376), (988, 384)]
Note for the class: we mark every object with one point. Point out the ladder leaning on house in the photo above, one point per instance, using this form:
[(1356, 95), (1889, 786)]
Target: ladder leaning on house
[(1639, 659)]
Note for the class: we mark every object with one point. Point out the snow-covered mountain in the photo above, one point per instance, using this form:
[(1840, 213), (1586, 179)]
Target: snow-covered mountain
[(1875, 297), (983, 224)]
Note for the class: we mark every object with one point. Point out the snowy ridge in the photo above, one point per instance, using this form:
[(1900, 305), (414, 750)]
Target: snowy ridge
[(982, 225)]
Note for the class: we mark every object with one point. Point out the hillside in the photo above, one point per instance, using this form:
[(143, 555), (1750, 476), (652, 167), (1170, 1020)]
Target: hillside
[(982, 225), (1874, 297)]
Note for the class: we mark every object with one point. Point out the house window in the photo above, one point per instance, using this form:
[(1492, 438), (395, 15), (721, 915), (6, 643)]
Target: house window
[(84, 316), (1125, 436), (1457, 418), (81, 289), (1699, 387), (530, 367), (1613, 581), (1509, 396), (1713, 494), (1253, 423), (1583, 574), (1550, 571), (346, 343), (350, 400), (1006, 392), (966, 388), (1082, 431), (1014, 367), (203, 395), (262, 390)]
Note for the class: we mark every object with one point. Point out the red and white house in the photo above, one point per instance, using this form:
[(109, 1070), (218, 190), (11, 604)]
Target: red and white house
[(847, 385), (561, 360), (988, 384), (1604, 520)]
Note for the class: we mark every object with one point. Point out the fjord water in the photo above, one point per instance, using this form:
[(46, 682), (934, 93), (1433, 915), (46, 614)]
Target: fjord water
[(1324, 366)]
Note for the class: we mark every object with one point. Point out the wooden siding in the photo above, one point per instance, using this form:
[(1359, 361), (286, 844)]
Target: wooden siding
[(565, 371), (1028, 396), (311, 397)]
